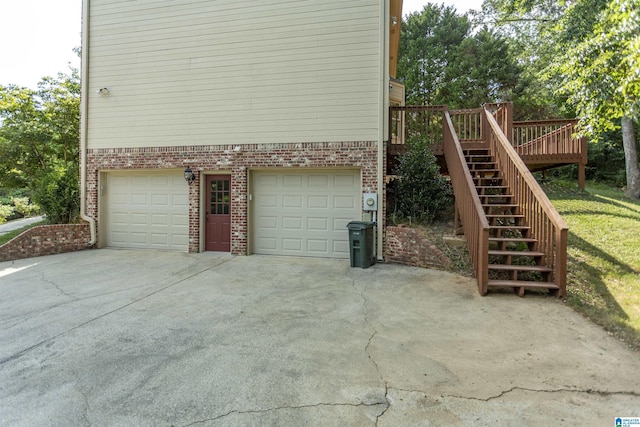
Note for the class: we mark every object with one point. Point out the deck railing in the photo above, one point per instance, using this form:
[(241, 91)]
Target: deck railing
[(468, 205), (407, 122), (552, 140), (467, 124), (548, 137), (503, 113), (546, 225)]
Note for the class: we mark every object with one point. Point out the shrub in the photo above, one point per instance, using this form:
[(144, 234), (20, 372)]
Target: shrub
[(24, 207), (6, 211), (58, 194), (421, 192)]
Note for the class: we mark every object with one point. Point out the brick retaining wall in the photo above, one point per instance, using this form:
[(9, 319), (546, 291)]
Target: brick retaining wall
[(411, 246), (46, 240)]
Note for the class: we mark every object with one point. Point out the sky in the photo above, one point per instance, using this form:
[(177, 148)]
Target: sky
[(37, 37)]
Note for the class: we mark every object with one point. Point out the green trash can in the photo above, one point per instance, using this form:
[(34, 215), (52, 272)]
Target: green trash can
[(361, 243)]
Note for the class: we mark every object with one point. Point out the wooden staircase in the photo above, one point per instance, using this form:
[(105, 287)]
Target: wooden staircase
[(514, 260)]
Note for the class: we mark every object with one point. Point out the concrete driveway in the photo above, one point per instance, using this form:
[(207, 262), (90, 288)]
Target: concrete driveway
[(115, 337)]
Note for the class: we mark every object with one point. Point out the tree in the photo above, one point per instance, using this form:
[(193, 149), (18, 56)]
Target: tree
[(483, 70), (442, 62), (39, 131), (587, 51), (428, 45), (602, 74)]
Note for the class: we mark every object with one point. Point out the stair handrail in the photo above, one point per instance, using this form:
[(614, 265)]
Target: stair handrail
[(547, 226), (468, 205)]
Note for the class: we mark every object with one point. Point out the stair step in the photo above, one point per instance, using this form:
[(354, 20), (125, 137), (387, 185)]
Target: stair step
[(508, 267), (506, 216), (476, 152), (484, 170), (510, 227), (522, 283), (472, 158), (513, 239), (479, 179), (474, 164), (498, 196), (489, 187), (516, 253), (499, 205)]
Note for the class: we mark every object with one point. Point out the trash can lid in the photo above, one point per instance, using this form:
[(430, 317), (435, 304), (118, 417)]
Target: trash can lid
[(360, 225)]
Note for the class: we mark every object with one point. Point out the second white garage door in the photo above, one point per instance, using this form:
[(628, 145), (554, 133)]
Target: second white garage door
[(304, 213), (147, 210)]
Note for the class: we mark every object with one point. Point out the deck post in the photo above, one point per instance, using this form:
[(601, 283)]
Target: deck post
[(581, 175)]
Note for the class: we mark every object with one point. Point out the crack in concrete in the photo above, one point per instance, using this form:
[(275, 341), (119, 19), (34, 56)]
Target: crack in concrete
[(366, 350), (86, 406), (533, 390), (28, 349), (280, 408), (387, 403), (58, 288)]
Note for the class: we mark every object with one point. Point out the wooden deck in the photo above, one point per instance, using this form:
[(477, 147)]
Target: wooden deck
[(516, 238), (542, 145)]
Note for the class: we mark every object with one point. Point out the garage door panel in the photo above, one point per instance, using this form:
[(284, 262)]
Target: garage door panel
[(318, 202), (159, 200), (341, 247), (292, 181), (344, 181), (138, 199), (293, 201), (343, 202), (180, 240), (180, 220), (160, 219), (318, 181), (139, 219), (179, 201), (318, 224), (294, 245), (292, 223), (304, 213), (147, 210), (159, 180), (159, 239)]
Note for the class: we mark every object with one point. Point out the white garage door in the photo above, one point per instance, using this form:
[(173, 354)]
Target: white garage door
[(304, 213), (147, 210)]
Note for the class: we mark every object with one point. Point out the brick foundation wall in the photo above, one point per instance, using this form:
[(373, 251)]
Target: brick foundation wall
[(223, 158), (410, 246), (47, 240)]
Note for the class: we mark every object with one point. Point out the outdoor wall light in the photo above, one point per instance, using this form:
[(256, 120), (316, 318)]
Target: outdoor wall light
[(189, 176), (103, 91)]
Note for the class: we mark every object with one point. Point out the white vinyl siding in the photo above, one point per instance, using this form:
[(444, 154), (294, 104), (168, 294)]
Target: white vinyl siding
[(304, 213), (200, 72), (147, 210)]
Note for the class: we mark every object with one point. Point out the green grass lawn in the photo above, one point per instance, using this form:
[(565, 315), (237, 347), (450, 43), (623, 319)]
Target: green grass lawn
[(603, 278)]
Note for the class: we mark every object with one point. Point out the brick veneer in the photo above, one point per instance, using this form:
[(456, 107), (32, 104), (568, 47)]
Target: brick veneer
[(223, 158), (410, 246), (47, 240)]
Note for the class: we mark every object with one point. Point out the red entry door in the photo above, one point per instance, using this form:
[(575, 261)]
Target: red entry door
[(218, 228)]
